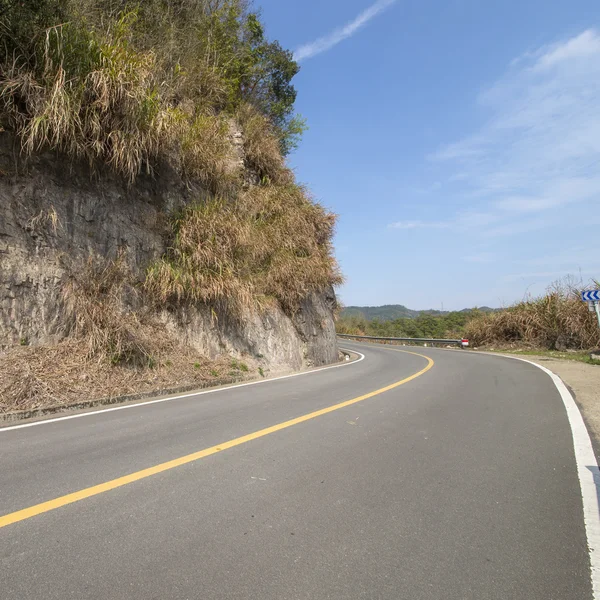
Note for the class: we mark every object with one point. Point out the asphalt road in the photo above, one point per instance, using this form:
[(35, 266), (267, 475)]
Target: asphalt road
[(459, 484)]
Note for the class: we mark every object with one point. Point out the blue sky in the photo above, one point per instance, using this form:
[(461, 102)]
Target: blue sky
[(457, 140)]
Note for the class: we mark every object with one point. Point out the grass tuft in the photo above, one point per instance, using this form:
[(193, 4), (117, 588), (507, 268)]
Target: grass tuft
[(273, 244), (95, 304), (262, 147)]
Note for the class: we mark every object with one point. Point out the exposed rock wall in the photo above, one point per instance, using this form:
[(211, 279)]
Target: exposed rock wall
[(53, 216)]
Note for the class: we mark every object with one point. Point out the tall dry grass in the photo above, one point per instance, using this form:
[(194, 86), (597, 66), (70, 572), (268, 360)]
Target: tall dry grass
[(272, 243), (95, 98), (262, 147), (96, 303), (124, 84), (558, 320), (206, 153)]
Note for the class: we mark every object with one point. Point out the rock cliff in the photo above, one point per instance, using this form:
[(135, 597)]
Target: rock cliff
[(55, 214)]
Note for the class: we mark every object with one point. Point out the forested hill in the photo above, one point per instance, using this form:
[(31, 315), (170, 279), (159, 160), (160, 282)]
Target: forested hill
[(390, 312)]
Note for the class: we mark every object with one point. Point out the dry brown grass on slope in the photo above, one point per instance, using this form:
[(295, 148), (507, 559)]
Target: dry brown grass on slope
[(96, 304), (99, 99), (558, 320), (50, 376), (261, 147), (112, 350), (96, 98), (206, 154), (271, 243)]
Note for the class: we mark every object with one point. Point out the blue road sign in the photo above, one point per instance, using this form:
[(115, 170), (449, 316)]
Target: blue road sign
[(591, 296)]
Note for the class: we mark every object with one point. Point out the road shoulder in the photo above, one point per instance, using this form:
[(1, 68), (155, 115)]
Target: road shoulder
[(583, 381)]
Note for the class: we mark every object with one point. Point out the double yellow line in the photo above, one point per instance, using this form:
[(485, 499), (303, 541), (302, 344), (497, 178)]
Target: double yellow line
[(38, 509)]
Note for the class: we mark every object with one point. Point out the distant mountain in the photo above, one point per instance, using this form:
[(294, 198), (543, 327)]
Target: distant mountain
[(390, 312)]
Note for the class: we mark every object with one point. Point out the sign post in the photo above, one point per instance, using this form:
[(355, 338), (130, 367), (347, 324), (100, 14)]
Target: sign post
[(592, 297)]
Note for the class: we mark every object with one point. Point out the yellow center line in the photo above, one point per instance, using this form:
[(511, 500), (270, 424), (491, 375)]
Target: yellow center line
[(43, 507)]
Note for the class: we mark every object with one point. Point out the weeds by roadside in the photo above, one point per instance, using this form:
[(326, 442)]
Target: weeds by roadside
[(558, 320), (50, 376)]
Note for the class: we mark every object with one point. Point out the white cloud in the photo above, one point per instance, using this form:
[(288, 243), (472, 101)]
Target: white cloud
[(538, 153), (584, 45), (332, 39)]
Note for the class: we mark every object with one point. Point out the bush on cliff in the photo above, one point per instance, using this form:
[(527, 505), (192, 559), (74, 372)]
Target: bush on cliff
[(128, 84), (123, 82)]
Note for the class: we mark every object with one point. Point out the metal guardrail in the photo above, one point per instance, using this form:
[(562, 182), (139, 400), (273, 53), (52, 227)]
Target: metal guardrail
[(395, 339)]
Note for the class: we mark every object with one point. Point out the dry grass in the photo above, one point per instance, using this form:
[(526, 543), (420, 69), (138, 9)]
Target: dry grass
[(261, 147), (273, 242), (206, 154), (97, 306), (63, 374), (96, 98), (556, 321), (113, 350), (97, 88)]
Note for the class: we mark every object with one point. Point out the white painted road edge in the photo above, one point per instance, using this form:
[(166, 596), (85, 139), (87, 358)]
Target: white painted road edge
[(180, 397), (587, 469)]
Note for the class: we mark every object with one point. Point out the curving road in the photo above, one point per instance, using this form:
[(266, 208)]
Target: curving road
[(445, 475)]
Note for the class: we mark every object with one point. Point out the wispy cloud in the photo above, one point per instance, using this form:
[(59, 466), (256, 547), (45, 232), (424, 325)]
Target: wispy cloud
[(340, 34), (535, 162), (584, 45)]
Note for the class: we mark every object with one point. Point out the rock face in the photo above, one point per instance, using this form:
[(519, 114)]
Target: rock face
[(54, 216)]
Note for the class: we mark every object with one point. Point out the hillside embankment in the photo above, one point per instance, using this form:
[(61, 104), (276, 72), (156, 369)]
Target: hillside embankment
[(151, 234)]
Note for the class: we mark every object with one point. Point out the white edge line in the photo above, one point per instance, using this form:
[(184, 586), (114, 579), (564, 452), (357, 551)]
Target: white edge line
[(180, 397), (587, 470)]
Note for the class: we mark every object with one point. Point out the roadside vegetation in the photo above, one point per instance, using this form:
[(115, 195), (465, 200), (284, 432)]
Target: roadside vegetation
[(558, 320), (272, 245), (556, 324), (129, 86), (126, 84), (110, 351), (449, 326), (62, 375)]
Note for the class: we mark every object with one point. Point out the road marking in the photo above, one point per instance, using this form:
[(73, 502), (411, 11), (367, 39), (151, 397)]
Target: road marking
[(180, 397), (44, 507), (587, 470)]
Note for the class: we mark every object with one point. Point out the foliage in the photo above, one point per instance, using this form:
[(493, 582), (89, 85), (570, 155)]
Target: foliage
[(261, 147), (113, 334), (556, 321), (95, 98), (272, 244), (128, 84), (121, 82), (395, 311), (450, 325)]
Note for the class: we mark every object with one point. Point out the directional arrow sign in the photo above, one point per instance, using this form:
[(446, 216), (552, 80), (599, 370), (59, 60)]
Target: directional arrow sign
[(591, 296)]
